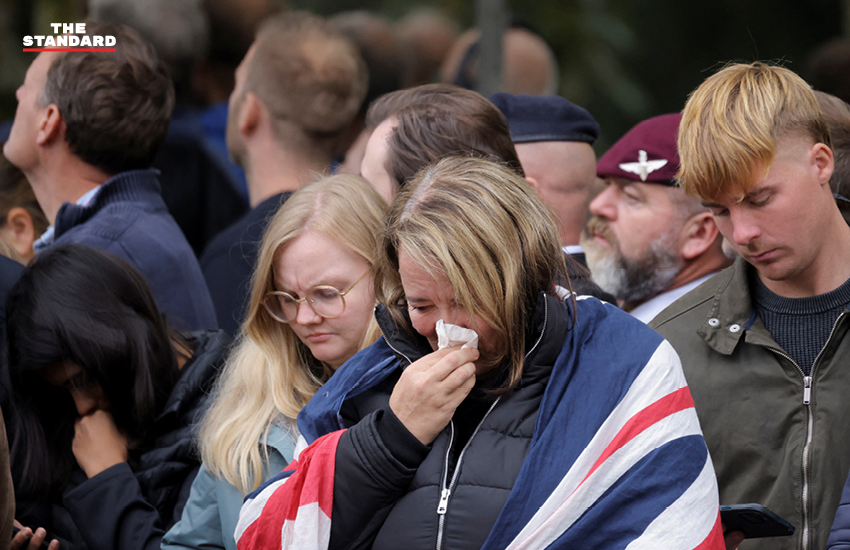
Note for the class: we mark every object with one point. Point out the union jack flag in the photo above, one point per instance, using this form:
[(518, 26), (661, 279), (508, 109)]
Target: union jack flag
[(617, 460)]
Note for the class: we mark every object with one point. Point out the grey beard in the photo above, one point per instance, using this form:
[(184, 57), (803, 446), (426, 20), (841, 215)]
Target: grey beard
[(634, 280)]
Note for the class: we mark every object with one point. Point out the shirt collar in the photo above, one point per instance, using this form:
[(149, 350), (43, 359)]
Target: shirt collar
[(647, 311)]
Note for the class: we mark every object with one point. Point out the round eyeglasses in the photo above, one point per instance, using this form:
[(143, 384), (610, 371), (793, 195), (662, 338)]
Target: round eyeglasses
[(327, 301)]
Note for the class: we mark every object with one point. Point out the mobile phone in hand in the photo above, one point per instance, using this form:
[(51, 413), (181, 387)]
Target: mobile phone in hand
[(755, 521)]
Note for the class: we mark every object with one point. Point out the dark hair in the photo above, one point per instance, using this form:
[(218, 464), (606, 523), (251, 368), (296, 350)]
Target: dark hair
[(116, 105), (828, 68), (16, 192), (837, 115), (381, 50), (437, 120), (76, 303)]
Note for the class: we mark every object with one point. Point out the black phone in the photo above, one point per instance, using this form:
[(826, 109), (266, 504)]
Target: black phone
[(755, 521)]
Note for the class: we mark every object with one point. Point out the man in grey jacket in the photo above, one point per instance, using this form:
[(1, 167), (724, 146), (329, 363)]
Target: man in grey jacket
[(764, 343)]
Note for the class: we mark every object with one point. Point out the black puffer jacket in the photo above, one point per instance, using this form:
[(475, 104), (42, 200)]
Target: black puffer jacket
[(388, 486), (130, 505)]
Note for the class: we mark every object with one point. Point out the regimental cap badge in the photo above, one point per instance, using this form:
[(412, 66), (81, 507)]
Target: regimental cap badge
[(643, 167), (653, 143)]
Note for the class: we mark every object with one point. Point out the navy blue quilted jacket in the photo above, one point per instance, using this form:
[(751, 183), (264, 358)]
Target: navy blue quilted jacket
[(129, 219)]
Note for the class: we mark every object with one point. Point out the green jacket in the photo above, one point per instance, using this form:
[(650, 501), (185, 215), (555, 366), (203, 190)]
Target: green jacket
[(758, 411)]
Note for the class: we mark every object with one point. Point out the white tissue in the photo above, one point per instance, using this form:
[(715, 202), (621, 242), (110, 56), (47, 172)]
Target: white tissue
[(453, 335)]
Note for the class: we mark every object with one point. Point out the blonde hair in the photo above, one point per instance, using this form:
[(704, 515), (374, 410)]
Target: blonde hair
[(485, 228), (731, 123), (271, 374)]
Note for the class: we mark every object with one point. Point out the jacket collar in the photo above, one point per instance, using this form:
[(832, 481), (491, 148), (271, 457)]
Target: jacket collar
[(408, 347), (198, 374), (133, 186), (732, 315)]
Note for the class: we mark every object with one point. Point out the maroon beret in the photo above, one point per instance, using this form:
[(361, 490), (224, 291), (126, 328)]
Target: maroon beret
[(646, 153)]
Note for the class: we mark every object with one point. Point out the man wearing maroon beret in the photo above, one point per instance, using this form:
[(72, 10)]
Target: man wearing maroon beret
[(646, 242)]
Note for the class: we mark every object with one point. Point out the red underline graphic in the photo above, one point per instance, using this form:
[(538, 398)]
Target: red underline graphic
[(69, 49)]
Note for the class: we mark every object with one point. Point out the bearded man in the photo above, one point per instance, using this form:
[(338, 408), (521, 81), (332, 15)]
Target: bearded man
[(646, 242)]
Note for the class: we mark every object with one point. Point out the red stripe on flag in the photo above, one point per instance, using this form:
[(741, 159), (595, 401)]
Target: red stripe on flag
[(714, 540), (671, 403), (310, 479), (318, 485)]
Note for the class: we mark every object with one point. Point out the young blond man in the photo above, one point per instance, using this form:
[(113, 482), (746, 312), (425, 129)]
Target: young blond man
[(764, 343)]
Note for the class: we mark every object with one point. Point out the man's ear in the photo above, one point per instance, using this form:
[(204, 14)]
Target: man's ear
[(824, 161), (250, 114), (51, 126), (22, 231), (533, 182), (698, 235)]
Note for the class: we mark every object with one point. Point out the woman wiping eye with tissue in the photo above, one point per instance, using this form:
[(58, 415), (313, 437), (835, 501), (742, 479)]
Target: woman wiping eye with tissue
[(428, 444)]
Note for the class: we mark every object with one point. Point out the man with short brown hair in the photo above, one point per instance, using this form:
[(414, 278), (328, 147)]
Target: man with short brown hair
[(86, 130), (300, 85), (418, 126)]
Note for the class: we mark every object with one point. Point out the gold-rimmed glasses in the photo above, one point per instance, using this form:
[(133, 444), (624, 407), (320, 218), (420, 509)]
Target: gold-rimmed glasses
[(325, 300)]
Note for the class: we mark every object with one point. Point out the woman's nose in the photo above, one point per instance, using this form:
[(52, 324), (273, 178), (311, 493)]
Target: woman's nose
[(457, 318), (306, 315)]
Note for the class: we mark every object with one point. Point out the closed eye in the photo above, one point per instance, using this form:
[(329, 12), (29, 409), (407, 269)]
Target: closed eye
[(631, 196), (763, 200)]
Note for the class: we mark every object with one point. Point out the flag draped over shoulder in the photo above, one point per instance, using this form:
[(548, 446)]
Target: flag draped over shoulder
[(617, 460), (293, 509), (645, 479)]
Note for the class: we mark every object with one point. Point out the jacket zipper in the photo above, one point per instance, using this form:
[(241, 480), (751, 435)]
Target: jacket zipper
[(387, 340), (807, 400), (446, 492)]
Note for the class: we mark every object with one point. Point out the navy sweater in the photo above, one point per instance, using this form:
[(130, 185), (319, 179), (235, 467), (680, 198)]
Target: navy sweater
[(129, 219)]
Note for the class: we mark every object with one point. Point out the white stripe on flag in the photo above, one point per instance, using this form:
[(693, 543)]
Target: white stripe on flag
[(661, 376), (310, 530), (688, 521), (567, 503), (252, 509)]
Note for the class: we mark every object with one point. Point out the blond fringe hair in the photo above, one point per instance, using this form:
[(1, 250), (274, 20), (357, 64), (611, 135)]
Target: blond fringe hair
[(731, 123), (485, 228), (271, 375)]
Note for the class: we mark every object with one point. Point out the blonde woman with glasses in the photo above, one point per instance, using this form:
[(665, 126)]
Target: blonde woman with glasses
[(310, 310)]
